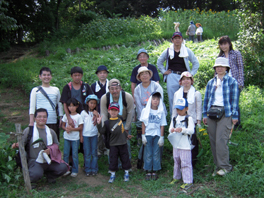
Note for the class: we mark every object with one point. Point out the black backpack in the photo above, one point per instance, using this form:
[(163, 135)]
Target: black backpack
[(123, 98), (186, 120)]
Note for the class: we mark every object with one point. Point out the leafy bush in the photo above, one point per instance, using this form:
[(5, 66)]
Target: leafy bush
[(251, 41), (100, 29), (9, 177)]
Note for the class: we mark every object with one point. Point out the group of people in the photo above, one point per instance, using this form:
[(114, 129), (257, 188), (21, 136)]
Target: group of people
[(192, 31), (98, 117)]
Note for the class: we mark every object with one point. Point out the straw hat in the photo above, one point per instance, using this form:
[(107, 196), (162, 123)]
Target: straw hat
[(143, 69)]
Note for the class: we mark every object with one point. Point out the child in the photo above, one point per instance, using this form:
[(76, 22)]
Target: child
[(194, 99), (182, 126), (99, 88), (153, 121), (90, 136), (72, 135), (117, 141), (76, 89)]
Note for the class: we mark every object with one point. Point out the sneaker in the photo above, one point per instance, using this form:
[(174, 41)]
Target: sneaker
[(94, 173), (186, 186), (154, 176), (126, 177), (74, 174), (222, 172), (67, 173), (174, 181), (112, 179), (148, 177), (88, 174)]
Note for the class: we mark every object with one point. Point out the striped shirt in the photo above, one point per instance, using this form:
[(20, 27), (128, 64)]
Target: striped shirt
[(236, 65), (38, 100), (230, 95)]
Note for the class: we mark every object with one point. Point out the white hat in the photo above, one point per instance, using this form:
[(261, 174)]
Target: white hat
[(221, 61), (143, 69)]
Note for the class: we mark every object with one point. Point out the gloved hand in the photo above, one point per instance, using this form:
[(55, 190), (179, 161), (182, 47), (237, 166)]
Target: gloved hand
[(144, 139), (161, 141)]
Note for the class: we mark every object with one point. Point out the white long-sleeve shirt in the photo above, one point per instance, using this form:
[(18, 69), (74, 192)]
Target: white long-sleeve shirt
[(38, 100)]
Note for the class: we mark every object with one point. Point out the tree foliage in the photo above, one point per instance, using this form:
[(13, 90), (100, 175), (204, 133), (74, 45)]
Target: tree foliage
[(251, 40)]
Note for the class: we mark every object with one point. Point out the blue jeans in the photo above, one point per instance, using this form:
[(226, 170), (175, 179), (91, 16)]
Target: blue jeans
[(90, 153), (152, 154), (74, 144)]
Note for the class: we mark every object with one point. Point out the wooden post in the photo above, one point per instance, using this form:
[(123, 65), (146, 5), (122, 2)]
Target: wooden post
[(23, 158)]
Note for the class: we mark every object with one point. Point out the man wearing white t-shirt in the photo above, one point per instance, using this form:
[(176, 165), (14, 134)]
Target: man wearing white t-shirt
[(49, 102)]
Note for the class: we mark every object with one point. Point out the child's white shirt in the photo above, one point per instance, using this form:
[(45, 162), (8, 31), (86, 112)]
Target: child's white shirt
[(183, 138), (89, 129), (154, 122), (73, 135)]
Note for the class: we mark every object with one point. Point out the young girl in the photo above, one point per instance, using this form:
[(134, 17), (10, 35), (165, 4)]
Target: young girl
[(90, 135), (72, 135), (153, 121), (181, 128), (194, 99)]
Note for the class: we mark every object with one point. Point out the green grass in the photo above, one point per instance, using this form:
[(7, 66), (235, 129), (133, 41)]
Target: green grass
[(246, 180)]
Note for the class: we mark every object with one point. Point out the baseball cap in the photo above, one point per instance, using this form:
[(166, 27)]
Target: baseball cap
[(114, 82), (181, 103), (91, 97), (142, 50), (186, 74), (113, 105), (221, 61), (176, 34), (101, 68)]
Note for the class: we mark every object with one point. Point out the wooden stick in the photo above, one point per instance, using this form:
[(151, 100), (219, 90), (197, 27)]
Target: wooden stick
[(23, 158)]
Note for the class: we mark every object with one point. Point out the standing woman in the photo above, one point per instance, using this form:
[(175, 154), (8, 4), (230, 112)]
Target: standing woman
[(235, 62), (221, 99), (194, 99)]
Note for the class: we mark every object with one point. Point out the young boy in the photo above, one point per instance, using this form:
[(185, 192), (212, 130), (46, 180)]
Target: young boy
[(117, 141), (153, 121), (76, 89), (181, 129), (99, 88)]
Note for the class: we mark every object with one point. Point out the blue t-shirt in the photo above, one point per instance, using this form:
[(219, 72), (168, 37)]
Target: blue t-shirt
[(155, 76)]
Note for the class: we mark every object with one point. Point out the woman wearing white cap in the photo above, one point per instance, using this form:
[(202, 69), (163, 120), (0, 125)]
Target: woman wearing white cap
[(220, 111), (194, 99)]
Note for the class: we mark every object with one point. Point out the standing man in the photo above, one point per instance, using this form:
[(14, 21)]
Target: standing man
[(177, 58), (36, 166), (191, 31), (126, 106), (48, 97), (143, 57)]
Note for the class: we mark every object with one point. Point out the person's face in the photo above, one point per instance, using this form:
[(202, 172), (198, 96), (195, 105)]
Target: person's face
[(182, 112), (144, 76), (72, 108), (186, 81), (76, 78), (113, 113), (220, 70), (143, 58), (115, 91), (225, 47), (177, 40), (102, 75), (41, 119), (92, 104), (155, 102), (45, 77)]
